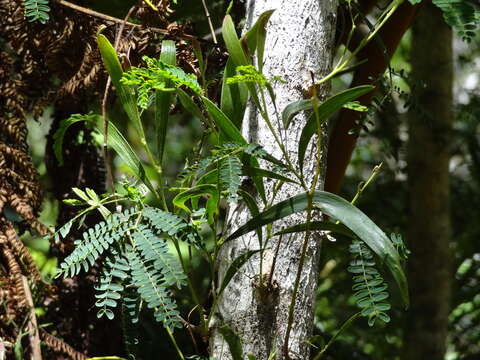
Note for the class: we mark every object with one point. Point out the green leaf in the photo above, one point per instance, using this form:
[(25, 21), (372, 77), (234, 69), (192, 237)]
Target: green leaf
[(190, 105), (255, 37), (325, 110), (164, 99), (230, 177), (255, 171), (232, 42), (254, 211), (293, 109), (114, 69), (228, 129), (199, 190), (338, 209), (234, 267), (233, 100), (233, 341), (237, 53), (125, 151), (62, 129)]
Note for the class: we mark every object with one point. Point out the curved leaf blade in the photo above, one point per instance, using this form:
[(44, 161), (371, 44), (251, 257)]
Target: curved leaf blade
[(293, 109), (199, 190), (114, 69), (325, 110), (339, 209), (319, 226), (163, 99), (225, 125)]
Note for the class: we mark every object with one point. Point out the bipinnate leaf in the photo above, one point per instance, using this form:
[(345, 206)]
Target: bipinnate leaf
[(338, 209)]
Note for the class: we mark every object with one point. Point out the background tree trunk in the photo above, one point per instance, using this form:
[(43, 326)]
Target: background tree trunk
[(428, 172), (300, 38)]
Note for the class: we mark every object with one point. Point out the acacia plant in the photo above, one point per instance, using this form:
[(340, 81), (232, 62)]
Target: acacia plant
[(143, 248)]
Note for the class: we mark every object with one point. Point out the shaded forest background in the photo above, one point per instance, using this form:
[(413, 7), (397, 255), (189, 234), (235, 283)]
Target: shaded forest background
[(50, 71)]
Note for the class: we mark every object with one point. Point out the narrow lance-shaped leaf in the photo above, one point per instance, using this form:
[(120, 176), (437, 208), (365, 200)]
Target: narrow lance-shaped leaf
[(228, 129), (114, 69), (199, 190), (233, 341), (233, 101), (64, 125), (319, 226), (341, 210), (164, 99), (325, 110), (237, 53), (125, 151), (234, 267)]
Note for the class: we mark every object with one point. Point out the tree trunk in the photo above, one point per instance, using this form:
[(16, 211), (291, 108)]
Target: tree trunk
[(299, 42), (428, 173)]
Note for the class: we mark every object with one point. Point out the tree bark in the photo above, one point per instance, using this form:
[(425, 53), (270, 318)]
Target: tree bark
[(299, 42), (428, 175)]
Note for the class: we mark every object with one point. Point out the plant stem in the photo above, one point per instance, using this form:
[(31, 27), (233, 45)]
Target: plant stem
[(344, 327), (179, 352)]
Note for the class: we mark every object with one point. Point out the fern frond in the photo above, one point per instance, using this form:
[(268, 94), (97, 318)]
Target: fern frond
[(95, 241), (109, 290), (150, 287), (154, 249), (369, 286), (36, 10), (230, 177)]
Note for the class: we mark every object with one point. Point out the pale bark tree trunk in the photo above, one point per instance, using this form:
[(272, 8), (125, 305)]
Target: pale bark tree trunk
[(299, 42), (428, 175)]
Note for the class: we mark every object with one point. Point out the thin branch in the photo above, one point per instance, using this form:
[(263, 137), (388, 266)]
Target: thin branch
[(212, 30), (115, 20)]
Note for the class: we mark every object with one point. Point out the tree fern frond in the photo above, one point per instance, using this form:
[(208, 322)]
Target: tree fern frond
[(369, 286), (95, 241), (154, 249), (36, 10), (150, 287), (230, 177)]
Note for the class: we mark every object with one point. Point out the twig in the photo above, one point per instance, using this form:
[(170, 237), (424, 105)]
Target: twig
[(115, 20), (212, 30)]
